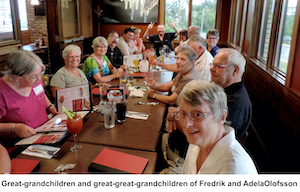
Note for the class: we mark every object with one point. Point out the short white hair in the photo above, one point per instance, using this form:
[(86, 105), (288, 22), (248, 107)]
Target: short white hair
[(69, 49), (99, 40), (197, 92), (232, 56)]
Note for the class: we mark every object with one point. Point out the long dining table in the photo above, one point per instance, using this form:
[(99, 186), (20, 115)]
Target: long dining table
[(134, 136)]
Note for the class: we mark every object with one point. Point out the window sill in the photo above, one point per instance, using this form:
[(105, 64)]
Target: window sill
[(7, 49), (276, 75)]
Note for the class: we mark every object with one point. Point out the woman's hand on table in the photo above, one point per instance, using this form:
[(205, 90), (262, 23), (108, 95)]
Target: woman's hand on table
[(22, 130)]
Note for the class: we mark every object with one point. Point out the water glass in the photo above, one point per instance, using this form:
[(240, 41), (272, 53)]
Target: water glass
[(109, 115), (130, 72), (123, 79)]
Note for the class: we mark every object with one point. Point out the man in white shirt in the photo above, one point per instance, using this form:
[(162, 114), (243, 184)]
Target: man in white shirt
[(126, 44), (202, 64)]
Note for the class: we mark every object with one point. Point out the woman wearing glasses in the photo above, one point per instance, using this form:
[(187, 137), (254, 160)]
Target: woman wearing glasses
[(23, 103), (213, 148), (69, 75), (212, 39), (97, 66)]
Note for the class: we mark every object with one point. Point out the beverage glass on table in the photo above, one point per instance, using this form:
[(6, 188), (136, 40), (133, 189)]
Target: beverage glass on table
[(151, 58), (123, 79), (136, 65), (121, 112), (109, 115), (74, 127), (130, 75)]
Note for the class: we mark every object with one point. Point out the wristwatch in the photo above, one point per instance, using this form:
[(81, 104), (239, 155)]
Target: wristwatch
[(154, 96)]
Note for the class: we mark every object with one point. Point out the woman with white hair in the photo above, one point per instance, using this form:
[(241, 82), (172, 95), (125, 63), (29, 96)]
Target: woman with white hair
[(23, 102), (213, 147), (186, 73), (69, 75), (97, 66)]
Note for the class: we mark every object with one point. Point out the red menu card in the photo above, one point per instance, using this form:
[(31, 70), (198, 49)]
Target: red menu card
[(23, 166), (118, 162)]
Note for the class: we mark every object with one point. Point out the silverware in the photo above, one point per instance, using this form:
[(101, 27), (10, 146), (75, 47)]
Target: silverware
[(42, 151)]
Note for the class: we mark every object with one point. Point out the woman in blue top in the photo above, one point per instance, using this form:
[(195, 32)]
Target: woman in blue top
[(97, 67)]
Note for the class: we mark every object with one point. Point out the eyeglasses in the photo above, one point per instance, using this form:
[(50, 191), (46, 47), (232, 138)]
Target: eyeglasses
[(220, 66), (193, 115), (34, 77), (101, 47), (212, 38), (74, 56)]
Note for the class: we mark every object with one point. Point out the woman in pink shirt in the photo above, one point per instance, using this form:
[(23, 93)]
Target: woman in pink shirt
[(23, 102)]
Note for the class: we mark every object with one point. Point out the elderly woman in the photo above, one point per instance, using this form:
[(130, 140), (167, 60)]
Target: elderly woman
[(212, 39), (213, 148), (69, 75), (186, 73), (23, 103), (97, 66), (138, 42)]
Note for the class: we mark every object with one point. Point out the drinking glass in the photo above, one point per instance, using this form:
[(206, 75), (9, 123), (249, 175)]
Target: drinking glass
[(136, 65), (74, 127), (151, 58), (121, 112), (109, 115), (130, 75), (123, 79)]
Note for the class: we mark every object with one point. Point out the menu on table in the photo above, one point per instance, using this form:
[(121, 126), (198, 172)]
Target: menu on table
[(76, 98)]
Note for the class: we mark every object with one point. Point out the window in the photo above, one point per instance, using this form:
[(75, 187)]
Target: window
[(203, 14), (237, 23), (275, 34), (266, 28), (285, 35), (23, 14), (10, 23), (6, 24), (177, 12)]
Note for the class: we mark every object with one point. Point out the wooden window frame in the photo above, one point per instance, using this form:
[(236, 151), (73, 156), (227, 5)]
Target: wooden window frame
[(7, 47), (268, 65)]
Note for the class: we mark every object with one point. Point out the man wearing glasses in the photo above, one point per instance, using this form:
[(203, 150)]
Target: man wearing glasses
[(113, 52)]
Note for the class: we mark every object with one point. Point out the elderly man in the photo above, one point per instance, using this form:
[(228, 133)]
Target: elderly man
[(126, 44), (113, 52), (227, 70), (161, 38), (202, 64)]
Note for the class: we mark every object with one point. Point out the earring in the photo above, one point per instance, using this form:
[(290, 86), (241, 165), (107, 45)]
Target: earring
[(18, 84)]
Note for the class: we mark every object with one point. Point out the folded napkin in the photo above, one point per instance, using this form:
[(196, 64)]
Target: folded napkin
[(136, 92), (137, 115)]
